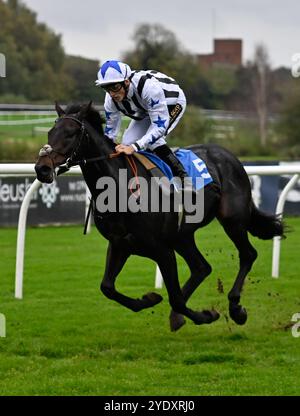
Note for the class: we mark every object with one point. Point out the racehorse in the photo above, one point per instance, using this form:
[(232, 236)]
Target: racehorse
[(78, 139)]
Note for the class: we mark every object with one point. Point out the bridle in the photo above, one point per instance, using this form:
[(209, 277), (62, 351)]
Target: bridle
[(73, 160), (47, 150)]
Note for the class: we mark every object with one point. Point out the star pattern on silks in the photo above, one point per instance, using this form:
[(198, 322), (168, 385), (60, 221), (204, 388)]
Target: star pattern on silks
[(110, 64), (107, 115), (154, 139), (160, 122), (108, 130), (154, 103)]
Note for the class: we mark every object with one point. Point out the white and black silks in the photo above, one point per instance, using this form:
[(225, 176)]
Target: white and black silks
[(154, 102)]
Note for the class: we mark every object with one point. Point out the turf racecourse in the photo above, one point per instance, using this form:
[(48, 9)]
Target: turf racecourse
[(65, 338)]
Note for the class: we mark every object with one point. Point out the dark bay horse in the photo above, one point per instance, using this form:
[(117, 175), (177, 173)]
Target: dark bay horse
[(77, 137)]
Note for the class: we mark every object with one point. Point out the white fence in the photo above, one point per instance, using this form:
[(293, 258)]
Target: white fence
[(27, 122), (28, 169), (218, 115)]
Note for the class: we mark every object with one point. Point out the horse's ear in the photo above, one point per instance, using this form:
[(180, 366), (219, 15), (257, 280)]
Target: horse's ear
[(59, 110), (85, 110)]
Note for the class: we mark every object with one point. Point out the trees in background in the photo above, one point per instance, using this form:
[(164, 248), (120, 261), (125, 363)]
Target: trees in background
[(34, 56), (261, 85), (253, 87), (223, 82), (157, 48), (289, 121), (154, 46), (83, 73), (38, 70)]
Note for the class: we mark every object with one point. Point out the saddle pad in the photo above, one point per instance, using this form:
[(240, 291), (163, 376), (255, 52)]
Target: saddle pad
[(193, 165)]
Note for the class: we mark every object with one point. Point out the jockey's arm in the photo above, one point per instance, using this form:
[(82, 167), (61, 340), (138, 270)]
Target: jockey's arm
[(113, 119)]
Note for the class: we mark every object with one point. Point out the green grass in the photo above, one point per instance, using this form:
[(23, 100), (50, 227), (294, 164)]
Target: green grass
[(22, 132), (66, 338), (20, 143)]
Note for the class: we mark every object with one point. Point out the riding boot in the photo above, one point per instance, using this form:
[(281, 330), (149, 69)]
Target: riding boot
[(166, 154)]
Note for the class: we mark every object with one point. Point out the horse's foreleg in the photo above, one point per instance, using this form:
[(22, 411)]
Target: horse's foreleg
[(247, 255), (115, 260), (168, 267), (199, 268)]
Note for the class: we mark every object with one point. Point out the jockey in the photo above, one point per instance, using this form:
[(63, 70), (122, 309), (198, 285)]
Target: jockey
[(153, 101)]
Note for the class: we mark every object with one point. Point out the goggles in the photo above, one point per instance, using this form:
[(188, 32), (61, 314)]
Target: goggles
[(113, 87)]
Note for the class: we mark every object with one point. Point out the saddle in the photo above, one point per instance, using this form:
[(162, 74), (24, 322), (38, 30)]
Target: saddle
[(149, 165)]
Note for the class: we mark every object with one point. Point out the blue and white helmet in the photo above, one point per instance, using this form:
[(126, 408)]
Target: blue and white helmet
[(112, 72)]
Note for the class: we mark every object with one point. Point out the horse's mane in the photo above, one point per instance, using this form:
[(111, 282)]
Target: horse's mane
[(93, 116)]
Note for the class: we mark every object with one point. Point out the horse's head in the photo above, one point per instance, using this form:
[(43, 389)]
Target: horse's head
[(64, 140)]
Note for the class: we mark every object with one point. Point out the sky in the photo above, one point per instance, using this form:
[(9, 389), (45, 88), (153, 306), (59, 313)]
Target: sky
[(103, 29)]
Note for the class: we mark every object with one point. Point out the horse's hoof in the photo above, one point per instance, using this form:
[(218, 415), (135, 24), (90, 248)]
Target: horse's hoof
[(212, 316), (176, 321), (238, 314), (215, 315), (152, 298), (206, 317)]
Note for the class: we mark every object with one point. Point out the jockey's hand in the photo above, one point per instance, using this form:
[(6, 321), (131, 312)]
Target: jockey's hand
[(122, 148)]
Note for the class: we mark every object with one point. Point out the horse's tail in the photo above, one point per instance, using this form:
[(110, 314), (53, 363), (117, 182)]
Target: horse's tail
[(265, 226)]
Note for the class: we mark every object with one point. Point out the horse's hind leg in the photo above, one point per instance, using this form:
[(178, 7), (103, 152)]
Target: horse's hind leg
[(199, 268), (115, 260), (247, 256)]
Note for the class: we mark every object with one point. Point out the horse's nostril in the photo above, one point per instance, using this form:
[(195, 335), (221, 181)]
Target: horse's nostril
[(43, 171)]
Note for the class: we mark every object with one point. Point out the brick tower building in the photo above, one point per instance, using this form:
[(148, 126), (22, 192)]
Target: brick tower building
[(227, 52)]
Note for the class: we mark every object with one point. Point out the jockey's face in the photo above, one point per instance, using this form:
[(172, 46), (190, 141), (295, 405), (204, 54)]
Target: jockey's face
[(118, 91)]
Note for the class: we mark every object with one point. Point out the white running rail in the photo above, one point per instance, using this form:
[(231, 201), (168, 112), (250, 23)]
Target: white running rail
[(26, 122)]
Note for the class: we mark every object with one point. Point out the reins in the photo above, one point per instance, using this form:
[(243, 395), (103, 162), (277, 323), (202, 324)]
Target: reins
[(133, 167), (82, 162)]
